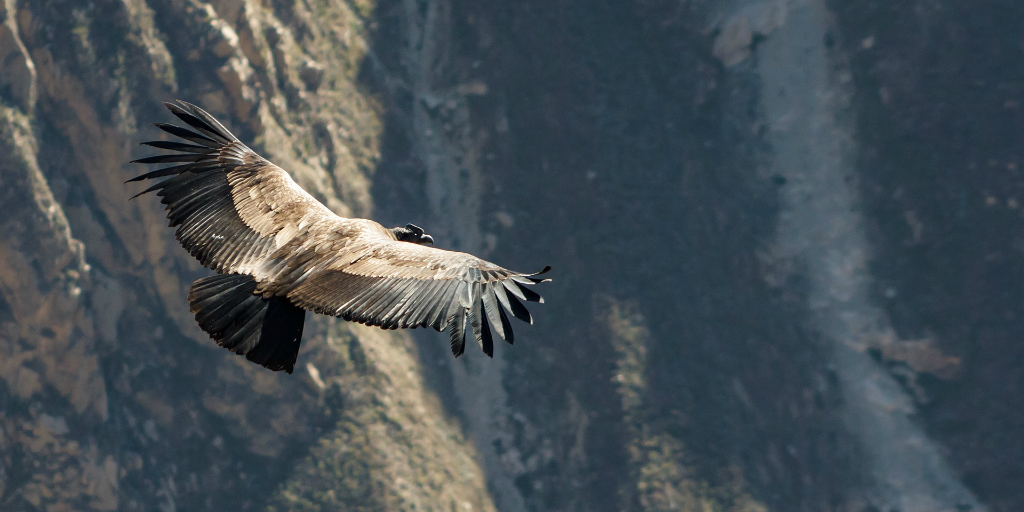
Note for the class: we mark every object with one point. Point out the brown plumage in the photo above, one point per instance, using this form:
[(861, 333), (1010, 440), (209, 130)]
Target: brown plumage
[(278, 252)]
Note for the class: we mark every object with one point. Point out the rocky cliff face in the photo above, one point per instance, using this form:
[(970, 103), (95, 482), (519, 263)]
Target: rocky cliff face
[(113, 399), (757, 296)]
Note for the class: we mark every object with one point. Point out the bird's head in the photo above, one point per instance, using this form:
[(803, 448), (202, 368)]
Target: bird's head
[(412, 233)]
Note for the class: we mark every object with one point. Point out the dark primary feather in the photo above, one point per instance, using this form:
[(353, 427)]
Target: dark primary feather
[(281, 251), (178, 146), (188, 135)]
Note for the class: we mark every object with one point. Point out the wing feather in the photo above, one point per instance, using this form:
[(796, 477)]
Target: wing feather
[(476, 321), (188, 135), (178, 146), (214, 131), (486, 341), (457, 332), (491, 310), (517, 308), (168, 159), (512, 287), (529, 294), (160, 173), (506, 325)]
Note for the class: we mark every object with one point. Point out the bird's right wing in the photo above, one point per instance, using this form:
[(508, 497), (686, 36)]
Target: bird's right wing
[(232, 208)]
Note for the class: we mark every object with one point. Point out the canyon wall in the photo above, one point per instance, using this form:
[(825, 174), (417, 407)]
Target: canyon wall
[(786, 240)]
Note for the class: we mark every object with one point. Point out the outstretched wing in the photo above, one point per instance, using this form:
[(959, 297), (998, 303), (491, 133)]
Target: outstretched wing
[(228, 203), (396, 285)]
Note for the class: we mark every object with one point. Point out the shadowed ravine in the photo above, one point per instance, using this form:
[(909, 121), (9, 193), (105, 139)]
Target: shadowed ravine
[(810, 129)]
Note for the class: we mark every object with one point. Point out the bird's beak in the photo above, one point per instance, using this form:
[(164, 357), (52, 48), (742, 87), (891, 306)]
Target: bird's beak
[(427, 239)]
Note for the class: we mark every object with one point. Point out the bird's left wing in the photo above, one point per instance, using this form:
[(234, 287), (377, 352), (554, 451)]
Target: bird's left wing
[(393, 284)]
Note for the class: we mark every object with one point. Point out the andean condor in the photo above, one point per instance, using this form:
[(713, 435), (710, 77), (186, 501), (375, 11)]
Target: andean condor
[(279, 252)]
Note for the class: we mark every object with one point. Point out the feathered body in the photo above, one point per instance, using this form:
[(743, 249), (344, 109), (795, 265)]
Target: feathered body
[(278, 252)]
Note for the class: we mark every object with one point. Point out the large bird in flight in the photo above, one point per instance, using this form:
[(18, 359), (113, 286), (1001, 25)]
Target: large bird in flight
[(278, 252)]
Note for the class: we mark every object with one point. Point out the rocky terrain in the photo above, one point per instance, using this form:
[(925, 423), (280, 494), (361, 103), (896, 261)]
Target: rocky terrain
[(786, 238)]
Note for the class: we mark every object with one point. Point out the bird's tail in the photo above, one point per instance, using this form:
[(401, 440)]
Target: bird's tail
[(267, 331)]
